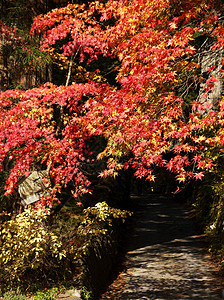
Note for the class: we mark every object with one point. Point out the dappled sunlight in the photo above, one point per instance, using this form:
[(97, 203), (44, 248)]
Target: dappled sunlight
[(166, 258)]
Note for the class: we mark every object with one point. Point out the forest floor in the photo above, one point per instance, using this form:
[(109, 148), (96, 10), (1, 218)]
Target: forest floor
[(166, 257)]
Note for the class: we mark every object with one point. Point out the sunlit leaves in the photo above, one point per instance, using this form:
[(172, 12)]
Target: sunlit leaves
[(28, 134)]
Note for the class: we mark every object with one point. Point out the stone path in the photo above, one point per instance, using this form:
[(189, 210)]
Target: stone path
[(166, 258)]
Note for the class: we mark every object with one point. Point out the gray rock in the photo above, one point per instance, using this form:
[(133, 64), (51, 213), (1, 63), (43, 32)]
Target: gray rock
[(73, 294)]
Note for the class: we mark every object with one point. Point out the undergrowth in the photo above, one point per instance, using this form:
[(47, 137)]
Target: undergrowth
[(38, 250)]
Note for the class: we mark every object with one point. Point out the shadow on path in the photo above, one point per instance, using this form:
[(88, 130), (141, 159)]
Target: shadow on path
[(166, 258)]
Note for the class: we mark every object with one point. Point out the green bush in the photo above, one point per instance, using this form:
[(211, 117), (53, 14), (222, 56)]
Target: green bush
[(98, 219), (46, 294), (208, 207), (37, 251), (96, 224), (12, 295), (26, 244)]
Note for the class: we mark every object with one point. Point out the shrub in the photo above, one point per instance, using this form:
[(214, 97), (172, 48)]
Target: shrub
[(26, 244), (96, 224), (13, 295), (99, 218)]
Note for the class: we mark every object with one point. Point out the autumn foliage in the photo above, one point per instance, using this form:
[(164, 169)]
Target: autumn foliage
[(155, 115)]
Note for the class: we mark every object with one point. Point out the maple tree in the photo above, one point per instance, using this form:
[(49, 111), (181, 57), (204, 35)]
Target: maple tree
[(156, 113)]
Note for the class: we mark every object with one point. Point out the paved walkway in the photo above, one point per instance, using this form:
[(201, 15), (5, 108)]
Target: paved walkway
[(166, 258)]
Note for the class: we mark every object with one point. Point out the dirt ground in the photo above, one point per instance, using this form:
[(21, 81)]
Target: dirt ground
[(166, 258)]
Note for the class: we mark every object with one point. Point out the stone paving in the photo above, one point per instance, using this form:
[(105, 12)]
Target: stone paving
[(166, 257)]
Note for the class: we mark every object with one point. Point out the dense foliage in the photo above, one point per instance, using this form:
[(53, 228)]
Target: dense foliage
[(158, 45), (26, 244)]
